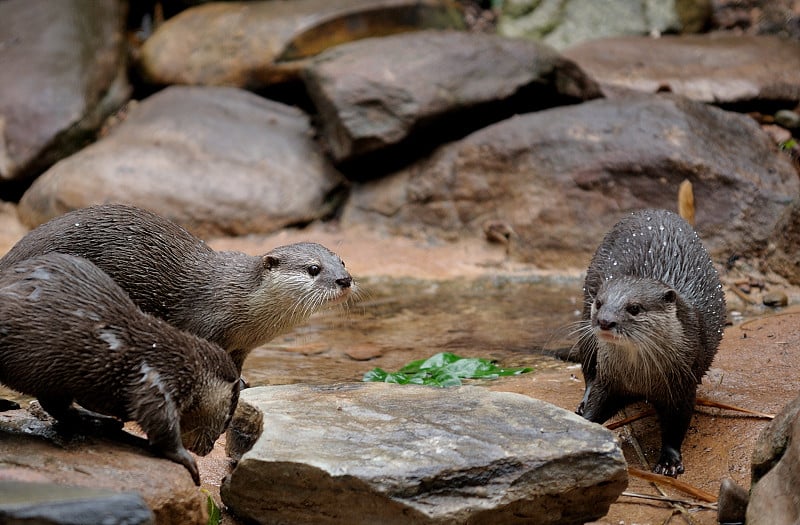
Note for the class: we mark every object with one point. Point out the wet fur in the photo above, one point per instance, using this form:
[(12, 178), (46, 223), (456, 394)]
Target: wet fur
[(235, 300), (652, 264), (69, 333)]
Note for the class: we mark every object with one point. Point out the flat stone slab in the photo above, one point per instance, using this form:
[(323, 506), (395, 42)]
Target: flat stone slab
[(412, 454), (716, 68)]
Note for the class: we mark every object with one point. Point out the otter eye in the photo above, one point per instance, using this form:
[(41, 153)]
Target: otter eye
[(314, 270), (634, 309)]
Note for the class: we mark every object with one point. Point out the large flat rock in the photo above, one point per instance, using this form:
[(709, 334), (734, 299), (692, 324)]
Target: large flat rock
[(560, 178), (718, 68), (382, 453), (426, 86)]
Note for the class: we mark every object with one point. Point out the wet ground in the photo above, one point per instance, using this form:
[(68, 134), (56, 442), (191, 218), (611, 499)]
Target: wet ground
[(416, 300)]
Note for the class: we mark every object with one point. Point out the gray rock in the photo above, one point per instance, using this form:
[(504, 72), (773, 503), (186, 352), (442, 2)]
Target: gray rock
[(428, 85), (776, 471), (382, 453), (783, 256), (31, 450), (718, 68), (63, 72), (253, 44), (49, 503), (560, 178), (215, 160), (561, 23)]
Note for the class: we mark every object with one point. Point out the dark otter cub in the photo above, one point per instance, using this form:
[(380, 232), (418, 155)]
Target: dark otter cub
[(654, 312), (235, 300), (69, 333)]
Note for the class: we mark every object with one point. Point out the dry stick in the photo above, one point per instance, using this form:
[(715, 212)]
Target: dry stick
[(674, 483), (700, 401), (708, 506), (716, 404)]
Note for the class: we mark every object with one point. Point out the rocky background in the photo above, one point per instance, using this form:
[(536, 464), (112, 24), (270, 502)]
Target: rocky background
[(526, 128)]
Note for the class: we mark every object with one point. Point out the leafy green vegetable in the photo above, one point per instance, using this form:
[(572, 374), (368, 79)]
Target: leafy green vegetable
[(443, 369), (214, 512)]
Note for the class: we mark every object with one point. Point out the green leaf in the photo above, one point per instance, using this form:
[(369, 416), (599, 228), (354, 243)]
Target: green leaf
[(443, 369), (214, 512)]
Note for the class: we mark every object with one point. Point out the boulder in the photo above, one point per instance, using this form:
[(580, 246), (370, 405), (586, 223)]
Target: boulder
[(776, 471), (252, 44), (52, 504), (717, 68), (560, 178), (63, 72), (431, 86), (31, 451), (783, 255), (216, 160), (562, 23), (383, 453)]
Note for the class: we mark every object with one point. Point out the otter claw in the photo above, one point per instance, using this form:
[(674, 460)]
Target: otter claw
[(669, 467)]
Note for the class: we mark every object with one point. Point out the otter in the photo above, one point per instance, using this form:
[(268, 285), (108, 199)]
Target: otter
[(69, 333), (235, 300), (653, 317)]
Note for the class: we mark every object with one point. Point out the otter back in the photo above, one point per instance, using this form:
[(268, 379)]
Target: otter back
[(235, 300), (69, 333)]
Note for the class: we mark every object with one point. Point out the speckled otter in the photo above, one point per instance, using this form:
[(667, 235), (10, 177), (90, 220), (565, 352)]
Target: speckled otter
[(69, 333), (235, 300), (654, 312)]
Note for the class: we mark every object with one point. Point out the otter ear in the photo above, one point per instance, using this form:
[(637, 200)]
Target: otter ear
[(270, 262), (670, 296)]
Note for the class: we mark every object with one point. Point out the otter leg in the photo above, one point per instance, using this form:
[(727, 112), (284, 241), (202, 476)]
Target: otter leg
[(674, 423), (160, 420), (76, 419), (599, 402)]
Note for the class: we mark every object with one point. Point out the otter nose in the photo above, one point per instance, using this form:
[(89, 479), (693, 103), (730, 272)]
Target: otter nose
[(605, 324), (345, 282)]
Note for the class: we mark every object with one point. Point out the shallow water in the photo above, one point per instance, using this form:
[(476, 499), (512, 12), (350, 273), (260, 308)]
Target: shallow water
[(394, 321), (509, 319)]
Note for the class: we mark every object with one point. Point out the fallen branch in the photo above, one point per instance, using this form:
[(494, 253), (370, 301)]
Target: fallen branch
[(716, 404), (674, 483), (709, 506)]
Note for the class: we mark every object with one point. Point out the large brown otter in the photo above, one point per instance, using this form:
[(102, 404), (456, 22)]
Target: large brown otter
[(653, 315), (69, 333), (236, 300)]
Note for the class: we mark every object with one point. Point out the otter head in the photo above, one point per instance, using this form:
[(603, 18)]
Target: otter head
[(211, 413), (632, 318), (303, 277)]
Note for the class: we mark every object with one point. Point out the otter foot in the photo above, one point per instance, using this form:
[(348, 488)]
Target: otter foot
[(180, 455), (669, 464)]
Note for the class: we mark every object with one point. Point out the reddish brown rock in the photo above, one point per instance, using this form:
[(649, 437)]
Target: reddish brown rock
[(250, 44), (31, 451), (718, 68)]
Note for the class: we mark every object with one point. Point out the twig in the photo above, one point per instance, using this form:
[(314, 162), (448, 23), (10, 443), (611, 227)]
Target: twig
[(709, 506), (674, 483), (716, 404), (630, 419)]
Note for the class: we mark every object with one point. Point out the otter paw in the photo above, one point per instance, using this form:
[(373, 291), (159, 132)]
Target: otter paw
[(669, 465)]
